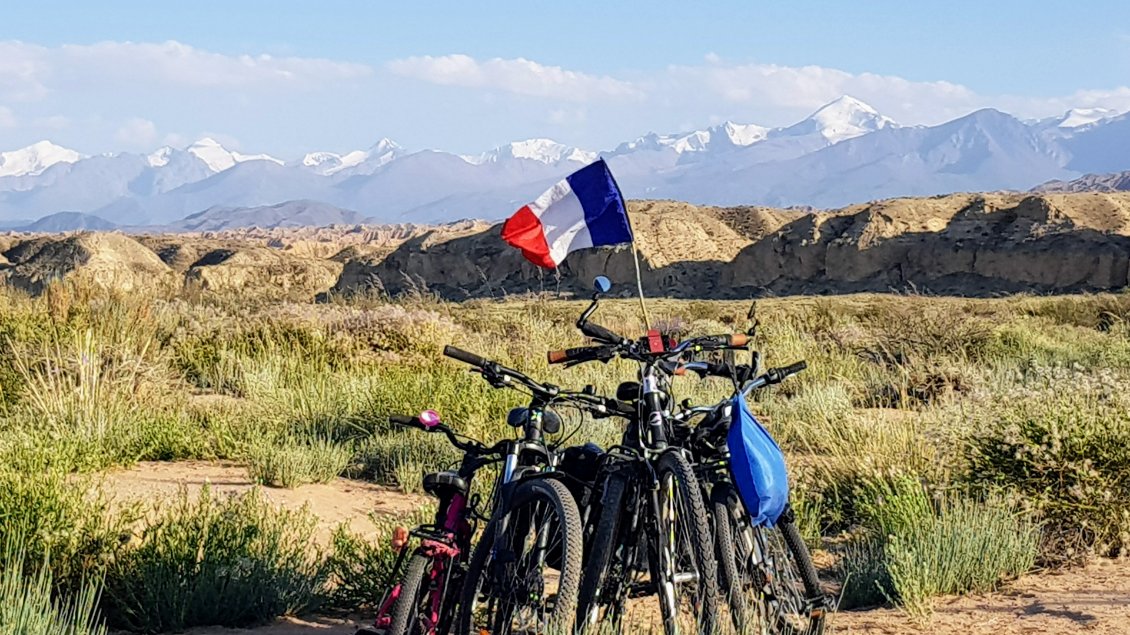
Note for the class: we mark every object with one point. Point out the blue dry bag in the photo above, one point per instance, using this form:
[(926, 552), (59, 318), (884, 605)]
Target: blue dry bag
[(757, 466)]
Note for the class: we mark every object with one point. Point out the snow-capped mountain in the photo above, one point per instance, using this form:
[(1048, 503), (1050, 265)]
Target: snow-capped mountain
[(36, 158), (357, 161), (844, 152), (842, 119), (545, 151), (218, 158), (1079, 117)]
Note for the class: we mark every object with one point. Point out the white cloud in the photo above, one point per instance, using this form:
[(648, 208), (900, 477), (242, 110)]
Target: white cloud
[(30, 72), (798, 90), (519, 76), (7, 117), (137, 133)]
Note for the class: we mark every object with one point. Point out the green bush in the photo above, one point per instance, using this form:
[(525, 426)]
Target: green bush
[(361, 570), (1064, 452), (30, 606), (58, 519), (290, 462), (229, 561), (914, 549)]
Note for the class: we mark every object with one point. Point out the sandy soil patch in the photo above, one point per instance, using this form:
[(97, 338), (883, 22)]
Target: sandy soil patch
[(1092, 599), (342, 500)]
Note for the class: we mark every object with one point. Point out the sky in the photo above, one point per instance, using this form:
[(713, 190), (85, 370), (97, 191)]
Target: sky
[(288, 77)]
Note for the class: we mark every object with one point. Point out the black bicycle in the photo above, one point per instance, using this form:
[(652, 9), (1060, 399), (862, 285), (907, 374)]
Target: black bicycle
[(524, 574), (650, 531), (765, 567)]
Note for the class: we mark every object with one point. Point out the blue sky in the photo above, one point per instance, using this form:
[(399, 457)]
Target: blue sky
[(288, 77)]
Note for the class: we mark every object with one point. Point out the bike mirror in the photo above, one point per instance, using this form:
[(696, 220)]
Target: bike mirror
[(429, 419), (601, 284)]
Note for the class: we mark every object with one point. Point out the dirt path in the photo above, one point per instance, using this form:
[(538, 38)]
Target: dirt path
[(1094, 599), (342, 500)]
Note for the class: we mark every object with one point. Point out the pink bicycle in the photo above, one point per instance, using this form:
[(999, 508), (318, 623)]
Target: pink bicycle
[(423, 601)]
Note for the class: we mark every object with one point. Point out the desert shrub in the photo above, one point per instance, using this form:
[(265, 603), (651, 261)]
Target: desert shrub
[(290, 462), (58, 520), (914, 548), (1063, 450), (229, 561), (361, 570), (919, 330), (383, 457), (29, 604)]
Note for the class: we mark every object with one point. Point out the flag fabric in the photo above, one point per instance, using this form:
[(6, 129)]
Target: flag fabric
[(585, 209)]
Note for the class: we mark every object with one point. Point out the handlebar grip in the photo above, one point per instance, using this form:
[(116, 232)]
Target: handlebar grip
[(465, 357), (569, 354), (404, 420), (598, 332), (793, 369), (778, 375), (739, 339)]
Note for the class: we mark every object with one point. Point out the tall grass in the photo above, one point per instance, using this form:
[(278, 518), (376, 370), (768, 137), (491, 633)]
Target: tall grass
[(30, 605)]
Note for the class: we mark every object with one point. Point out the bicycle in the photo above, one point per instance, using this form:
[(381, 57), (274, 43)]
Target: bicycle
[(766, 568), (420, 603), (651, 532), (534, 528)]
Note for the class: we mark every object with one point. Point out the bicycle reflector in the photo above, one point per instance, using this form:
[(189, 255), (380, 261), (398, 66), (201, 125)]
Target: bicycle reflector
[(757, 466), (399, 538)]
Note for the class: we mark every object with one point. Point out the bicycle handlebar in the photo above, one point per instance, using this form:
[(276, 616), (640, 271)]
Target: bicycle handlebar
[(466, 357), (599, 332)]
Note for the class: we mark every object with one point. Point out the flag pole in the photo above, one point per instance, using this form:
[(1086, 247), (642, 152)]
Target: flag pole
[(635, 251)]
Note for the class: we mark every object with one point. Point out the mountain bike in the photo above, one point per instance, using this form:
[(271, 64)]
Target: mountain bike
[(651, 533), (764, 565), (526, 568), (421, 602)]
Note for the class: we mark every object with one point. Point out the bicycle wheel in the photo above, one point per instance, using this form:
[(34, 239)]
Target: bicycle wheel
[(600, 571), (688, 572), (525, 571), (412, 611), (778, 579), (733, 572)]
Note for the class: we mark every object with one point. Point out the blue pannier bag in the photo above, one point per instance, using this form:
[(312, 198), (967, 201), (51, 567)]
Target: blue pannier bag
[(757, 466)]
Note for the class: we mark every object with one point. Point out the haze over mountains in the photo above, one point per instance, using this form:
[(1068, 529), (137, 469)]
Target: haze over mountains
[(846, 152)]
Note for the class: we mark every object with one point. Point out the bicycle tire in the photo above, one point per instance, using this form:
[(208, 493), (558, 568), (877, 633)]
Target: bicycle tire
[(787, 590), (563, 616), (604, 540), (744, 610), (407, 604), (700, 542)]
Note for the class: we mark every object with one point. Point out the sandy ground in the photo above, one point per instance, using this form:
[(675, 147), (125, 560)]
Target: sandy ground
[(343, 500), (1093, 599)]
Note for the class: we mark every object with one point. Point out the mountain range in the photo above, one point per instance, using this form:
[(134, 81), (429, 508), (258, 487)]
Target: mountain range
[(843, 153)]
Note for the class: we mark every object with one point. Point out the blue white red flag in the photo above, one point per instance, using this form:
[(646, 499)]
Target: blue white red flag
[(585, 209)]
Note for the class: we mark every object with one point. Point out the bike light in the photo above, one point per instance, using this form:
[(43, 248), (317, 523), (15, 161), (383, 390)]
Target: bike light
[(399, 538), (430, 418)]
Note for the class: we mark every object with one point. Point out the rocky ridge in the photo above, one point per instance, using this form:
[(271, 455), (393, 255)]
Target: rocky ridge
[(961, 244)]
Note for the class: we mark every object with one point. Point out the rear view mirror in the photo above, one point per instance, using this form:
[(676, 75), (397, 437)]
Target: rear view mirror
[(601, 284)]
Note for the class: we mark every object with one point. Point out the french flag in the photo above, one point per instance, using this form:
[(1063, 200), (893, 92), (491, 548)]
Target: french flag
[(585, 209)]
